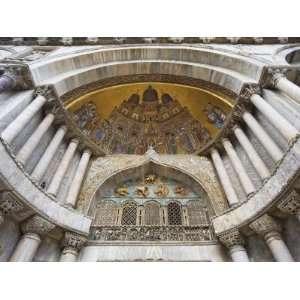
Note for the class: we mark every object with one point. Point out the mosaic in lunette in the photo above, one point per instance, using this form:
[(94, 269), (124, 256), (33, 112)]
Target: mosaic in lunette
[(139, 122)]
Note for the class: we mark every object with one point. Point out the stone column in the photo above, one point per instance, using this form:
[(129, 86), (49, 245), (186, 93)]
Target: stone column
[(62, 168), (78, 178), (31, 144), (1, 217), (163, 215), (253, 156), (291, 204), (15, 127), (239, 168), (33, 230), (234, 242), (276, 119), (286, 86), (42, 166), (269, 229), (268, 143), (6, 83), (224, 178), (72, 244)]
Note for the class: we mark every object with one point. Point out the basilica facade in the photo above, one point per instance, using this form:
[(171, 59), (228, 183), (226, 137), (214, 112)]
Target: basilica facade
[(149, 149)]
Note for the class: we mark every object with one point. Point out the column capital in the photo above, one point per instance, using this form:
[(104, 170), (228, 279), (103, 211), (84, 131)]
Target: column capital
[(37, 225), (231, 239), (74, 140), (10, 204), (274, 74), (20, 74), (74, 241), (291, 203), (45, 91), (87, 151), (250, 90), (265, 225)]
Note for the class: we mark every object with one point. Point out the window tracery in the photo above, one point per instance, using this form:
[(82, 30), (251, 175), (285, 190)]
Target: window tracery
[(152, 213), (174, 214), (129, 215)]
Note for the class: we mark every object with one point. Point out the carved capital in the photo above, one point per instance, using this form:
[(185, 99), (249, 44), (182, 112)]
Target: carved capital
[(273, 75), (37, 225), (10, 204), (265, 225), (74, 241), (250, 90), (291, 203), (19, 73), (232, 238)]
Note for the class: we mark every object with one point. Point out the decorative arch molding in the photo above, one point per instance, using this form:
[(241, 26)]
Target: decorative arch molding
[(72, 70), (198, 168)]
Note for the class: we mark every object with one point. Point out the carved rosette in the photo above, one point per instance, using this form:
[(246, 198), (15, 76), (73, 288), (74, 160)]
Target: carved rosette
[(231, 239), (37, 225), (265, 225), (73, 241), (291, 203)]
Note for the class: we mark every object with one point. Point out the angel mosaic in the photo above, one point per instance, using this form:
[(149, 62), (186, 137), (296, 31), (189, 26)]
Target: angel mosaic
[(215, 115)]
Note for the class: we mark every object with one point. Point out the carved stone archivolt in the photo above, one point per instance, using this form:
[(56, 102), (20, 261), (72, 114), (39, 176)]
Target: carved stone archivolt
[(37, 225), (264, 225), (232, 238), (73, 241)]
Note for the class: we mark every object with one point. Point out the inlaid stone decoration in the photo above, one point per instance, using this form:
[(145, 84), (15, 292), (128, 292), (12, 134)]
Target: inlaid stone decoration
[(150, 117)]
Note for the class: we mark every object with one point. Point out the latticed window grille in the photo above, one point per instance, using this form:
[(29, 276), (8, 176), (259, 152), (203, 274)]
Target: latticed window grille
[(106, 213), (174, 214), (197, 213), (152, 213), (129, 213)]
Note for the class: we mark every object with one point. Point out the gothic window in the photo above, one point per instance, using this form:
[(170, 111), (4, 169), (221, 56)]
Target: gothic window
[(129, 213), (174, 214), (151, 213), (106, 213), (197, 213)]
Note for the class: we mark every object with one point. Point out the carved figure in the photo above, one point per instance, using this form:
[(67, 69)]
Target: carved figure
[(180, 191), (122, 191), (142, 191), (162, 190), (150, 179)]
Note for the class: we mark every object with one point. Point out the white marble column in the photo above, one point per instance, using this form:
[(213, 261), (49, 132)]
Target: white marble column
[(268, 143), (238, 167), (33, 141), (275, 118), (42, 166), (78, 178), (287, 87), (238, 253), (62, 168), (278, 247), (26, 248), (234, 242), (15, 127), (1, 217), (267, 227), (33, 230), (253, 156), (72, 244), (224, 178)]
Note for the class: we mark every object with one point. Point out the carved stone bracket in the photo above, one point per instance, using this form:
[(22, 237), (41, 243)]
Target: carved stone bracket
[(291, 203), (20, 74), (264, 225), (74, 241), (232, 238), (37, 225)]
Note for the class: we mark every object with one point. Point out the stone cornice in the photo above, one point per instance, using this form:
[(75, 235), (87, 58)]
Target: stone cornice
[(79, 41)]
